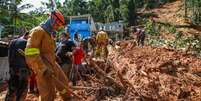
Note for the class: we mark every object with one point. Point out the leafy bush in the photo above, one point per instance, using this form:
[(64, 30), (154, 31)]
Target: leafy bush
[(178, 35), (150, 28), (172, 29)]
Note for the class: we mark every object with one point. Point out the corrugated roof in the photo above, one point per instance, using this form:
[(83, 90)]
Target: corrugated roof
[(2, 42)]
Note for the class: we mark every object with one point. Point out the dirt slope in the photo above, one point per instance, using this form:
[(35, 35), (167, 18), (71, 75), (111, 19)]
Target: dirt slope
[(160, 74), (149, 74), (173, 13)]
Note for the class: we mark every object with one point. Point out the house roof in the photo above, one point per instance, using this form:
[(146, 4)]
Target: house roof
[(3, 44)]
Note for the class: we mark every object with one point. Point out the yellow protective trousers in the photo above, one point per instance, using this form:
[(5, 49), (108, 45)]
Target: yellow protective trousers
[(40, 53)]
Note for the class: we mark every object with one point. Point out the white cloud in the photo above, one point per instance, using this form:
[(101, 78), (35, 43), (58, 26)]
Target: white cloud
[(35, 3)]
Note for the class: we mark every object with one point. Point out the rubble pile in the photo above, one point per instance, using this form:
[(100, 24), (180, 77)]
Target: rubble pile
[(159, 73), (134, 73), (145, 74)]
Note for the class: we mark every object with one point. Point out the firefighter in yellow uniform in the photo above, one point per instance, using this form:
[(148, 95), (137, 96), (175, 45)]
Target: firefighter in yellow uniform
[(101, 45), (40, 56)]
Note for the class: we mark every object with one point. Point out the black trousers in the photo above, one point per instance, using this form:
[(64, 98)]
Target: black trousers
[(17, 84), (140, 39)]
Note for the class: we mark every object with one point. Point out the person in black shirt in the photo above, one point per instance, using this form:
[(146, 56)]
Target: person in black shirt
[(140, 36), (63, 59), (18, 70)]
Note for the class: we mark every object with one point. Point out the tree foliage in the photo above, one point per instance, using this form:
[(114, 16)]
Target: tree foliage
[(101, 10), (14, 21), (109, 10), (193, 10)]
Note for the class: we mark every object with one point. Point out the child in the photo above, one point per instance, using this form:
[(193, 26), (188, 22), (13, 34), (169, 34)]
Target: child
[(77, 69)]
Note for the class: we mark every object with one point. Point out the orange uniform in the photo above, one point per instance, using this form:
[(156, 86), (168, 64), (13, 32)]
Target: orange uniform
[(40, 56)]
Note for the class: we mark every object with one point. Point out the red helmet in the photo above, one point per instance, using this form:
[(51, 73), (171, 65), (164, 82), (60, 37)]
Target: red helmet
[(58, 17)]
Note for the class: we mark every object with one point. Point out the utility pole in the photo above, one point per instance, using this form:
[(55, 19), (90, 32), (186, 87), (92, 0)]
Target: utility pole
[(13, 9), (54, 6), (15, 14), (0, 31)]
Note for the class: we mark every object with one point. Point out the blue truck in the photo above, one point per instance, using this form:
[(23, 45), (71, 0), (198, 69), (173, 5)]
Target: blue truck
[(82, 24)]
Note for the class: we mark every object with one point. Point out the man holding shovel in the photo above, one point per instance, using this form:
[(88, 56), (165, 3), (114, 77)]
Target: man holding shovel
[(40, 56)]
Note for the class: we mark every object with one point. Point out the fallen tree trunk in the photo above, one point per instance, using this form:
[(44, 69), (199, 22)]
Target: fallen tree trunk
[(84, 88), (103, 74)]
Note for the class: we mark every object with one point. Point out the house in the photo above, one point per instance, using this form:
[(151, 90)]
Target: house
[(4, 66), (1, 29), (83, 24), (115, 27)]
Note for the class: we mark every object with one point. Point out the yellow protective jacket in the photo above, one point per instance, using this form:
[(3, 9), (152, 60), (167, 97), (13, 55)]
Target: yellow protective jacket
[(40, 49), (101, 37), (40, 56), (102, 41)]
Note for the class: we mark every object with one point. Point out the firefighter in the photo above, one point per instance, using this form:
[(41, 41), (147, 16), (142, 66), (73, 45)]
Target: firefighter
[(18, 70), (40, 56), (101, 45)]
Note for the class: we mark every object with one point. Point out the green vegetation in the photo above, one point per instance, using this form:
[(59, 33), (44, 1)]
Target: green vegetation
[(193, 10), (101, 10), (14, 21), (107, 11), (179, 42)]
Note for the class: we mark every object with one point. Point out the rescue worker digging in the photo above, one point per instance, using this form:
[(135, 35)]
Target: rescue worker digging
[(102, 42), (40, 56)]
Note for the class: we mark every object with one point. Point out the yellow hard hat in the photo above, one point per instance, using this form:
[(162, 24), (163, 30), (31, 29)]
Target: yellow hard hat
[(102, 35)]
